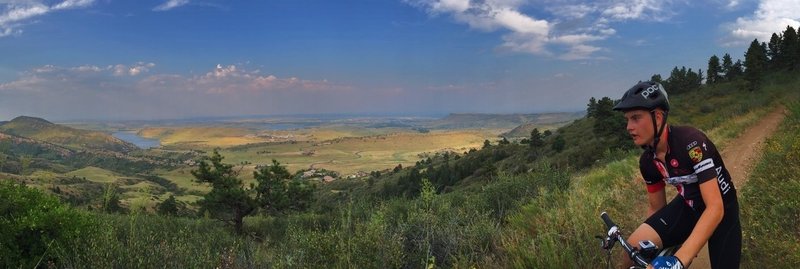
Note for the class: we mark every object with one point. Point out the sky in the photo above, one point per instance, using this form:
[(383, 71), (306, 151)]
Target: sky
[(157, 59)]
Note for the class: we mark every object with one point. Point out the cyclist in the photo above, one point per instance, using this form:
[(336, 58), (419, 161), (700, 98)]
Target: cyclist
[(705, 209)]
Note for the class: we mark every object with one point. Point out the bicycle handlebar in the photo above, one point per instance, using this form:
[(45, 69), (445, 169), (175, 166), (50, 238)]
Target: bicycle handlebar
[(607, 220), (615, 235)]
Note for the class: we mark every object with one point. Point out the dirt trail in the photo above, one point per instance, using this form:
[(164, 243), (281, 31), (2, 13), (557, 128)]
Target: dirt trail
[(740, 155)]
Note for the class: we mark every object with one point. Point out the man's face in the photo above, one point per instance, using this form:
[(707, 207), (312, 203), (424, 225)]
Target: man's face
[(640, 127)]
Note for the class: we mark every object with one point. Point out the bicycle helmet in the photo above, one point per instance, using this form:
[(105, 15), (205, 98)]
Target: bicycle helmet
[(645, 95)]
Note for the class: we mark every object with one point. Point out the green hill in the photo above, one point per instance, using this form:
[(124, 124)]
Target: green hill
[(43, 130)]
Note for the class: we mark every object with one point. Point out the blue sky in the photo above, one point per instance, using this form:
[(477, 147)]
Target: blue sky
[(111, 59)]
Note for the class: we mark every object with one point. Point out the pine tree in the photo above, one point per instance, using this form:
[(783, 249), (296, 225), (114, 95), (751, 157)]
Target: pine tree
[(228, 200), (656, 78), (536, 139), (591, 108), (713, 70), (169, 207), (789, 49), (774, 53), (277, 191), (727, 67), (755, 64)]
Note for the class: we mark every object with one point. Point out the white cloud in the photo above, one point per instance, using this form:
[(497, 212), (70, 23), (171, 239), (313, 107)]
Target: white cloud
[(170, 4), (565, 28), (133, 70), (72, 4), (134, 91), (772, 16), (14, 13), (636, 9)]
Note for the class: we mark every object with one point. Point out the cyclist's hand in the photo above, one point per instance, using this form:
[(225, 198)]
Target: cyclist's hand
[(667, 262)]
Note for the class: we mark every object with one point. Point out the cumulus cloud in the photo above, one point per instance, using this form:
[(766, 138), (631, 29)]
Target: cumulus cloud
[(170, 4), (565, 29), (772, 16), (13, 14)]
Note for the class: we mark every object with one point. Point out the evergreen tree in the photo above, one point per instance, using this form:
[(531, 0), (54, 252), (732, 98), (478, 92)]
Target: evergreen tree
[(656, 78), (591, 108), (169, 207), (558, 143), (228, 200), (727, 67), (277, 191), (755, 64), (789, 49), (713, 70), (774, 53), (536, 139)]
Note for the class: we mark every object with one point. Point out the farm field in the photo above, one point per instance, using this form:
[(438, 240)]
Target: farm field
[(346, 150)]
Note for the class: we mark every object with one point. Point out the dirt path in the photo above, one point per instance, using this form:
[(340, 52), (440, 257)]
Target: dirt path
[(740, 155)]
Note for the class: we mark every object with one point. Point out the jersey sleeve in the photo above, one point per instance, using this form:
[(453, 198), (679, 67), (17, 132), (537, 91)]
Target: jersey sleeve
[(702, 152), (652, 177)]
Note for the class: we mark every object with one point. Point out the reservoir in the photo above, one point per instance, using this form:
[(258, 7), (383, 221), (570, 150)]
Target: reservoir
[(141, 142)]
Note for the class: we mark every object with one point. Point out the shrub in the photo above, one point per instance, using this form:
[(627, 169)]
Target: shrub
[(35, 225)]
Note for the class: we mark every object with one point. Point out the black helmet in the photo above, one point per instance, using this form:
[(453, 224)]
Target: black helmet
[(646, 95)]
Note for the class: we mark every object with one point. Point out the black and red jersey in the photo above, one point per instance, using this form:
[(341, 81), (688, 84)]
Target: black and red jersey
[(691, 159)]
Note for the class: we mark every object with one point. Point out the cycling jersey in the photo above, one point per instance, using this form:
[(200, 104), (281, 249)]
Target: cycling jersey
[(691, 159)]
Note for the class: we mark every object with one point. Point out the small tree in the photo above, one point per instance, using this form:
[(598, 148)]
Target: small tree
[(559, 143), (504, 141), (277, 191), (111, 200), (536, 139), (227, 201), (169, 207)]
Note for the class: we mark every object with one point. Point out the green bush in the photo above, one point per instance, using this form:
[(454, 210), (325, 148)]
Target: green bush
[(35, 226)]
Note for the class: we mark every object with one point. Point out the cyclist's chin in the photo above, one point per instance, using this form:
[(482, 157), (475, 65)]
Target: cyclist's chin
[(639, 141)]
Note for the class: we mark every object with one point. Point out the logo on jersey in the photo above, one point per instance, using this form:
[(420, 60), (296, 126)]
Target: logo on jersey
[(674, 163), (696, 154)]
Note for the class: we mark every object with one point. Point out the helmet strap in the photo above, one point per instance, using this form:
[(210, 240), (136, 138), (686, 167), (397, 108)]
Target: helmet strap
[(658, 131)]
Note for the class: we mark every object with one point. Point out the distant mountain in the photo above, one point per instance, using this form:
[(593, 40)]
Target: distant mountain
[(43, 130), (501, 121)]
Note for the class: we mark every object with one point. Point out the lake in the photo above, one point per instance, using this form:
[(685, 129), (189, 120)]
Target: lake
[(137, 140)]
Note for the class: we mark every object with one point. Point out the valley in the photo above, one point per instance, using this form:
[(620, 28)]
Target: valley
[(142, 177)]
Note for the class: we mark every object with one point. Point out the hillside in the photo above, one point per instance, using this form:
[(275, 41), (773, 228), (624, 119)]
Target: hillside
[(502, 121), (43, 130)]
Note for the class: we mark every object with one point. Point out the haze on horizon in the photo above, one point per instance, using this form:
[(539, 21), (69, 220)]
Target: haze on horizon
[(112, 60)]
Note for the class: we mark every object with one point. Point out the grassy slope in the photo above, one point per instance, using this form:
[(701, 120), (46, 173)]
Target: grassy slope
[(770, 203), (40, 129)]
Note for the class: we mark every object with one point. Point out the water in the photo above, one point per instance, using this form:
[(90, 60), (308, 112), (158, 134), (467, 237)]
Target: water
[(137, 140)]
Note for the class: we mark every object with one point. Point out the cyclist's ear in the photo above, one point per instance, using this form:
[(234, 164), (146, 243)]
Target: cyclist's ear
[(659, 114)]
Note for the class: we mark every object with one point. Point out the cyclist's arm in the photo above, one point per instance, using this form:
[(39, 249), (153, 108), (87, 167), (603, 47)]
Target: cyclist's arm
[(707, 223), (657, 201)]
